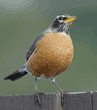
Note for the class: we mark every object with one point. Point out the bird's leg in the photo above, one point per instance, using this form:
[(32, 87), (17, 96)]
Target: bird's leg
[(37, 92), (53, 81)]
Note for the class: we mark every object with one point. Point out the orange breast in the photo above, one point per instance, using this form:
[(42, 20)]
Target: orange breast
[(53, 55)]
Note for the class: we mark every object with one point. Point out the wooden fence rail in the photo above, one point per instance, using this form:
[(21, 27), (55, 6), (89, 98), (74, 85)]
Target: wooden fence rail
[(72, 101)]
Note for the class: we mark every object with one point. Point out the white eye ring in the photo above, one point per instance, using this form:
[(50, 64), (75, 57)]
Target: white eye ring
[(60, 21)]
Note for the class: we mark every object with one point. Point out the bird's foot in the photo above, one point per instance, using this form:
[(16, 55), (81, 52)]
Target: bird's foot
[(37, 97), (66, 91), (62, 96)]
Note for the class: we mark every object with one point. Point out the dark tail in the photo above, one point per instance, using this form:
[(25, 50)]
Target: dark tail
[(17, 74)]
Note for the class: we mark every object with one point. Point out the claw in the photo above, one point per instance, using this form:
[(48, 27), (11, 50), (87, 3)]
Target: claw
[(66, 91), (37, 98), (62, 98)]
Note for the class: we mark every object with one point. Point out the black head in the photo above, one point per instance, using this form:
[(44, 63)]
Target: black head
[(62, 23)]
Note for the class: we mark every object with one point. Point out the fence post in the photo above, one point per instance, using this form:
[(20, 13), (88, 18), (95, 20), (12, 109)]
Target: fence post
[(51, 101)]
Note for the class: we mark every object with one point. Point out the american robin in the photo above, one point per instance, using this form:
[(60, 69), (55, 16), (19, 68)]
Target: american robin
[(50, 54)]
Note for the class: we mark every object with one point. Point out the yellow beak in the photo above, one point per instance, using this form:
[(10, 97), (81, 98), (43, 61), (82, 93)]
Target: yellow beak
[(70, 19)]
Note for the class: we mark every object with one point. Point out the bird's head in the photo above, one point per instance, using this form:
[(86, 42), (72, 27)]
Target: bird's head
[(62, 23)]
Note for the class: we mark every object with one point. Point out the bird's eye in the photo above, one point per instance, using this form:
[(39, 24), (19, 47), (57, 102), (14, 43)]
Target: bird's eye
[(64, 18)]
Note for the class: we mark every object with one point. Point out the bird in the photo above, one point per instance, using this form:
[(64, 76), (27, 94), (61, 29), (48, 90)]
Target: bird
[(50, 54)]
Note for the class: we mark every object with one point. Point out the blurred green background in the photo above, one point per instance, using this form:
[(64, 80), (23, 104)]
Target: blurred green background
[(22, 20)]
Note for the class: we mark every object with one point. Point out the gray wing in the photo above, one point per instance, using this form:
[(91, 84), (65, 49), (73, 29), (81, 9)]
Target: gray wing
[(30, 51), (33, 46)]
